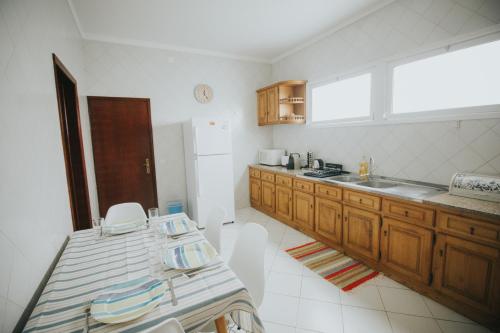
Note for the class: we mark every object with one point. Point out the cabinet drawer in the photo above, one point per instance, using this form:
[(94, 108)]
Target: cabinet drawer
[(267, 176), (330, 192), (410, 213), (303, 185), (362, 199), (284, 180), (468, 227), (254, 173)]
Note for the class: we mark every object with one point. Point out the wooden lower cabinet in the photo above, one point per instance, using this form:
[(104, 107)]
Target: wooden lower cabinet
[(284, 204), (406, 249), (255, 192), (268, 197), (328, 218), (303, 210), (361, 232), (467, 272)]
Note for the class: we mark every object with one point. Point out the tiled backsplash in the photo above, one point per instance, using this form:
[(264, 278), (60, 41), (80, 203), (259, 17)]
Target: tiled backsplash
[(430, 151)]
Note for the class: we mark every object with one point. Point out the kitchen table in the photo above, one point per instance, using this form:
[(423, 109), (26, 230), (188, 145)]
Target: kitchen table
[(90, 264)]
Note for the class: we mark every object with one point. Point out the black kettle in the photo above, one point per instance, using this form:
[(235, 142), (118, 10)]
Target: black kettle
[(293, 161)]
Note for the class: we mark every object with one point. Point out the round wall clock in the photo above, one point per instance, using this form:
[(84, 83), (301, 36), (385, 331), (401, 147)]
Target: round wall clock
[(203, 93)]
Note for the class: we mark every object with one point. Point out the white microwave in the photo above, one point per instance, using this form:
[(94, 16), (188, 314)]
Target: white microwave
[(271, 156)]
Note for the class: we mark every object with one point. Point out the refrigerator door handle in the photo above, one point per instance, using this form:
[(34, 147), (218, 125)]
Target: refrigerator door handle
[(196, 178), (195, 140)]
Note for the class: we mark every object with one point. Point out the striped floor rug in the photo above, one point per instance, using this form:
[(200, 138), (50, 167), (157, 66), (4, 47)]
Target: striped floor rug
[(341, 270)]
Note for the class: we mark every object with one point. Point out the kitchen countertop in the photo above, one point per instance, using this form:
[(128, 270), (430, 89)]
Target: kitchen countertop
[(439, 198)]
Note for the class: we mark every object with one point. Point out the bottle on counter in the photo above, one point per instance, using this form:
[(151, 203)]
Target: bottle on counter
[(363, 168)]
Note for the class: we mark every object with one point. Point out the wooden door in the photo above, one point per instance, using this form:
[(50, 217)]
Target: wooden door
[(255, 192), (361, 232), (262, 107), (406, 249), (273, 116), (123, 151), (328, 215), (467, 272), (74, 155), (303, 210), (267, 197), (284, 203)]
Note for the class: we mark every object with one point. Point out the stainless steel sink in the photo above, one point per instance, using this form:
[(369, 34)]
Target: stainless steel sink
[(377, 184), (345, 179)]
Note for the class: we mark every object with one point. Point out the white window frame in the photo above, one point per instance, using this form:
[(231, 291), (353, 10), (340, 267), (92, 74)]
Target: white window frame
[(464, 113), (336, 78)]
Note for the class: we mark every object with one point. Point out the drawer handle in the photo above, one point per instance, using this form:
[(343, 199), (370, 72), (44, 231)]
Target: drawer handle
[(472, 230), (360, 200), (327, 192), (406, 213)]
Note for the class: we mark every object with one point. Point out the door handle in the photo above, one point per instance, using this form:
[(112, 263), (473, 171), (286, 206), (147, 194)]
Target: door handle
[(147, 166)]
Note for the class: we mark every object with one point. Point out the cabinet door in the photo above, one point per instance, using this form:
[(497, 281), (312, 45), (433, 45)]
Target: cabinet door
[(273, 106), (268, 197), (284, 203), (361, 232), (303, 209), (255, 192), (406, 249), (328, 215), (262, 107), (467, 271)]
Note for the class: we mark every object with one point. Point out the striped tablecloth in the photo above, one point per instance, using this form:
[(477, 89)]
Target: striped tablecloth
[(89, 265)]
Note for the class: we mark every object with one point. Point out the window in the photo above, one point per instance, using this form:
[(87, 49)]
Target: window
[(348, 99), (468, 77)]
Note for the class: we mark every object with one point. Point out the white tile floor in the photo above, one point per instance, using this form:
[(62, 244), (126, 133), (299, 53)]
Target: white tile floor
[(299, 301)]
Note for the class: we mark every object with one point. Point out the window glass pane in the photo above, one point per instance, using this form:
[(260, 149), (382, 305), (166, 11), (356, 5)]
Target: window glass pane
[(463, 78), (349, 98)]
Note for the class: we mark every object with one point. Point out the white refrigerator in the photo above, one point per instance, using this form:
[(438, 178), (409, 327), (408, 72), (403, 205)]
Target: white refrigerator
[(209, 167)]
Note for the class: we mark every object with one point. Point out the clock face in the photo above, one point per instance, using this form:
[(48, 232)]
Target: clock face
[(203, 93)]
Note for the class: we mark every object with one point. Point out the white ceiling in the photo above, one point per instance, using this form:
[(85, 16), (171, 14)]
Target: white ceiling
[(260, 30)]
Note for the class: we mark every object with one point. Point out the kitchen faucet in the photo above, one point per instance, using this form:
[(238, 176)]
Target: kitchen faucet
[(371, 167)]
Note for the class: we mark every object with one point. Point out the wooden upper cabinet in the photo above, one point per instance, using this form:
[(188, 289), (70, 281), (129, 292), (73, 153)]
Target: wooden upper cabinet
[(406, 249), (467, 271), (273, 116), (303, 210), (282, 103), (255, 192), (328, 218), (284, 198), (361, 232), (262, 107), (267, 196)]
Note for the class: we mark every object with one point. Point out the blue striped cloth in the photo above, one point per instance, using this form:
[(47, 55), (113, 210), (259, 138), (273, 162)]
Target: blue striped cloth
[(89, 266)]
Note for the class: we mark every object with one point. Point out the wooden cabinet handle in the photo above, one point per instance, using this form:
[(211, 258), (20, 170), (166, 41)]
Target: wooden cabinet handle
[(327, 192), (406, 213), (385, 233), (360, 200), (441, 252), (339, 217), (472, 230)]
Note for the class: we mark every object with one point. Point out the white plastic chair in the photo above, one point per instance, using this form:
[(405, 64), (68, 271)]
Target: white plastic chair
[(214, 226), (247, 260), (124, 213), (172, 325)]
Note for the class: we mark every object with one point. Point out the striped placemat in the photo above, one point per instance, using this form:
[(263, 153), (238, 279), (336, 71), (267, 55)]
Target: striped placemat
[(339, 269)]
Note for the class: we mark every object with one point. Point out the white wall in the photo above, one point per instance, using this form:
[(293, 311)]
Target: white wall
[(168, 79), (34, 205), (426, 151)]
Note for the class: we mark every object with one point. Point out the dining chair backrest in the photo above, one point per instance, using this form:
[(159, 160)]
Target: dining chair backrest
[(124, 213), (247, 259), (213, 229), (172, 325)]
